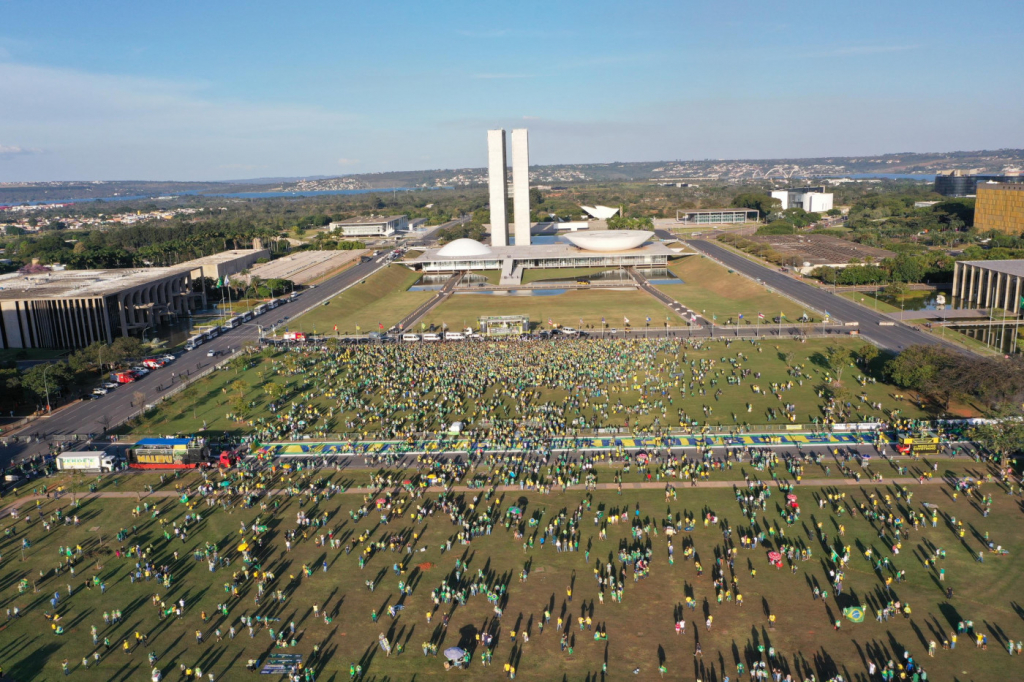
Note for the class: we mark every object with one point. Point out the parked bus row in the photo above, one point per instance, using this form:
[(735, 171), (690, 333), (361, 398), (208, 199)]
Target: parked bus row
[(236, 321)]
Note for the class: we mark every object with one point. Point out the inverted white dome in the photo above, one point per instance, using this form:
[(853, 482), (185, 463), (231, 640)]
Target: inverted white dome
[(608, 240), (464, 248)]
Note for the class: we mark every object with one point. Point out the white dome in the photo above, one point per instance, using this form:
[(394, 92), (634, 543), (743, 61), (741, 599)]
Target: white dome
[(464, 248), (609, 240)]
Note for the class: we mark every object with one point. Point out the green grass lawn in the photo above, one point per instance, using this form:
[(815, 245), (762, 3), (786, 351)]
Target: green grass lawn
[(710, 288), (215, 394), (640, 629), (382, 298), (565, 309)]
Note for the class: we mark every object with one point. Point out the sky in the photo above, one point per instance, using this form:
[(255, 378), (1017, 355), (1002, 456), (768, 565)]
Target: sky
[(184, 90)]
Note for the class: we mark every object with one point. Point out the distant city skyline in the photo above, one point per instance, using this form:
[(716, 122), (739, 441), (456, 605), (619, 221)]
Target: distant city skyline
[(232, 90)]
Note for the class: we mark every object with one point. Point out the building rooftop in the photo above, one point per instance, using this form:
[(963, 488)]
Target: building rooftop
[(1009, 186), (81, 283), (368, 220), (222, 257), (541, 251), (1010, 267)]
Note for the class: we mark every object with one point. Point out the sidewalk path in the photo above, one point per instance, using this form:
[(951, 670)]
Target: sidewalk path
[(680, 485)]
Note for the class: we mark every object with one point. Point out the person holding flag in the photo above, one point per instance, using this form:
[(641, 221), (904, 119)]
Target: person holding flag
[(625, 320)]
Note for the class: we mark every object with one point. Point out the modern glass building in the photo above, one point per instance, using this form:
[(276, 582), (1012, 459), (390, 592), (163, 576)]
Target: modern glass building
[(717, 216), (960, 184)]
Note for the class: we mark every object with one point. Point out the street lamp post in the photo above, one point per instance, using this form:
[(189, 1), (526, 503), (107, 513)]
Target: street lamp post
[(46, 386)]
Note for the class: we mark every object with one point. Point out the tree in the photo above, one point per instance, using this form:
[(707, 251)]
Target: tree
[(777, 227), (906, 268), (762, 203), (867, 353), (1004, 438), (273, 390), (837, 358), (240, 388), (894, 290), (50, 378), (913, 368)]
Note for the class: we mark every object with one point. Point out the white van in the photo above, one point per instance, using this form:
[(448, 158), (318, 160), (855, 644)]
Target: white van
[(431, 337), (454, 336), (410, 337), (568, 331)]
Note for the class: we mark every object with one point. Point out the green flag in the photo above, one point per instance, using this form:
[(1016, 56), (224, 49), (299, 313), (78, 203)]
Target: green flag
[(220, 282)]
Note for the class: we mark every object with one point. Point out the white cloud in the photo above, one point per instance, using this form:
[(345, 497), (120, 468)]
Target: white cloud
[(10, 150), (109, 126)]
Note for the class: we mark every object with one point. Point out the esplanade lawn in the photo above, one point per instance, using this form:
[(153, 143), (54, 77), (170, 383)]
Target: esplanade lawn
[(495, 572)]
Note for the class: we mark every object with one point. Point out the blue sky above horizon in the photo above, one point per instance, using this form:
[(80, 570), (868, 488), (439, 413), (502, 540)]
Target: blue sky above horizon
[(227, 90)]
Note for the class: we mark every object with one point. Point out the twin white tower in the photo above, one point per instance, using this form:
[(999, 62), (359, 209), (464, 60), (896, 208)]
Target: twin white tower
[(497, 183)]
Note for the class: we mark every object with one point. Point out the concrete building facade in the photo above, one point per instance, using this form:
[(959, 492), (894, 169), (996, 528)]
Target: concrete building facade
[(371, 226), (74, 308), (989, 284), (1000, 207), (521, 185), (810, 199), (497, 184), (226, 263)]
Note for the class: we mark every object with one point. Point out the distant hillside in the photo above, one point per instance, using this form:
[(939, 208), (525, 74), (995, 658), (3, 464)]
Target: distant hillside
[(707, 170)]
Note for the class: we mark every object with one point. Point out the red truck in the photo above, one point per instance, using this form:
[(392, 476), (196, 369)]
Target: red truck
[(294, 336), (125, 377)]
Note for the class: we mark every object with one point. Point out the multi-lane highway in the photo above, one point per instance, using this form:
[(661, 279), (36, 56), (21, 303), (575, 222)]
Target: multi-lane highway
[(895, 338), (90, 416)]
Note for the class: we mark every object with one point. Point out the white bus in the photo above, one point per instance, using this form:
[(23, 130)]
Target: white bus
[(273, 303), (259, 310), (233, 322), (431, 337), (246, 316), (194, 342)]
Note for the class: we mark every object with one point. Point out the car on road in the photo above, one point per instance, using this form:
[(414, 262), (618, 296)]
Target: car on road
[(109, 385), (140, 370), (212, 353), (99, 390), (167, 358)]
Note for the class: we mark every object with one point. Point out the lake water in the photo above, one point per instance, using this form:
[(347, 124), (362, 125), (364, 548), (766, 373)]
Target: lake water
[(431, 283), (235, 195), (914, 300), (515, 292)]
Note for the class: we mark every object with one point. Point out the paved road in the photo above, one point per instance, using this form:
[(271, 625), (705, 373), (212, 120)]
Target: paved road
[(893, 338), (85, 417), (408, 324), (428, 237)]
